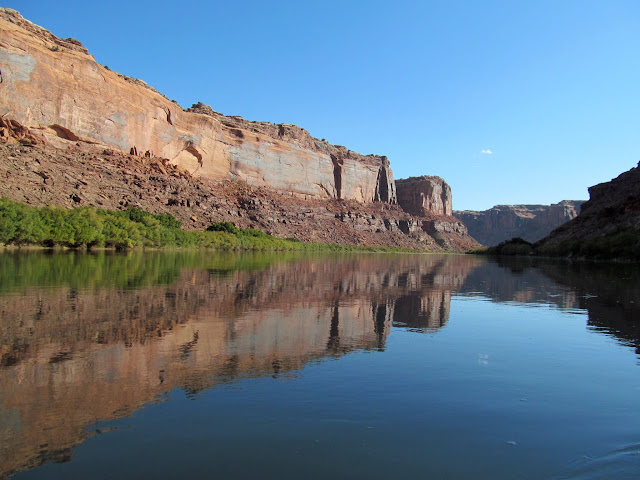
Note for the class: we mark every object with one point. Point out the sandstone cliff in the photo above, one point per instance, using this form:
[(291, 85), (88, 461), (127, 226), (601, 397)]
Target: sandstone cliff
[(530, 222), (82, 174), (73, 133), (55, 86), (608, 225), (424, 195)]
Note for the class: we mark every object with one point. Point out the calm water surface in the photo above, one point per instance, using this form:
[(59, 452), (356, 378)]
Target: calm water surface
[(167, 365)]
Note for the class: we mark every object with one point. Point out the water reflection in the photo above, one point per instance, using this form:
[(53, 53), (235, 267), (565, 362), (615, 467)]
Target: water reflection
[(608, 292), (110, 333), (86, 338)]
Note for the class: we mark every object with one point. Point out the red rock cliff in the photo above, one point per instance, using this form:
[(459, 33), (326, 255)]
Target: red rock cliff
[(55, 86), (424, 195)]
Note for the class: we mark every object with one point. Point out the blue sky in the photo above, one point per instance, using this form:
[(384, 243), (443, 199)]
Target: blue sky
[(508, 101)]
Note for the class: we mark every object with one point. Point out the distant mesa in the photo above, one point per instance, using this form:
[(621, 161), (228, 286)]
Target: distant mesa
[(529, 222)]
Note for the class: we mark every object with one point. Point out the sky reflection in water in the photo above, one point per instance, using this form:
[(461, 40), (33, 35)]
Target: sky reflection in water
[(374, 366)]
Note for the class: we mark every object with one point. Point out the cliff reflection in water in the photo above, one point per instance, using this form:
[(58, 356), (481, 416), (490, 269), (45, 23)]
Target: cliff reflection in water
[(86, 338), (608, 292)]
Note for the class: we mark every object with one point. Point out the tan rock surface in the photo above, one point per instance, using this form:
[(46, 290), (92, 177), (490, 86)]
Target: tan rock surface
[(74, 173), (75, 133), (424, 195), (55, 86), (530, 222)]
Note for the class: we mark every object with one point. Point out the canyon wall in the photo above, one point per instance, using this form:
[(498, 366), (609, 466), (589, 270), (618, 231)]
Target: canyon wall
[(53, 85), (608, 226), (74, 133), (530, 222), (424, 195)]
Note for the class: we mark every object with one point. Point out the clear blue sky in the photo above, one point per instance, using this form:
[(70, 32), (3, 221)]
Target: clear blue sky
[(548, 90)]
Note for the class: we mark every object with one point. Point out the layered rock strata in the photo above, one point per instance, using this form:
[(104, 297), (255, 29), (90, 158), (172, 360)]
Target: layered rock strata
[(530, 222), (77, 134), (80, 174), (55, 86), (424, 195), (346, 165)]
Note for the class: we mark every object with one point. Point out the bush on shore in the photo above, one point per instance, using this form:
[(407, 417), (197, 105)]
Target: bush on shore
[(620, 245), (88, 227), (515, 246)]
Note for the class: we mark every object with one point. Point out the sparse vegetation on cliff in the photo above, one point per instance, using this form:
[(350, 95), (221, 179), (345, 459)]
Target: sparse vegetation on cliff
[(88, 227)]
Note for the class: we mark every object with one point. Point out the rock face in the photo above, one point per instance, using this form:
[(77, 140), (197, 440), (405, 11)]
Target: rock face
[(424, 195), (608, 225), (55, 86), (74, 133), (72, 174), (530, 222)]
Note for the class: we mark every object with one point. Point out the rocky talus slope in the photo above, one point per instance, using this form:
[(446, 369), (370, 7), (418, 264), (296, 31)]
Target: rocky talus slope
[(41, 170), (608, 225), (530, 222), (74, 133)]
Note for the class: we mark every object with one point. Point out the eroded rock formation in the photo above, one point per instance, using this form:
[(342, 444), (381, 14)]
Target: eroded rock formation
[(83, 175), (55, 86), (424, 195), (530, 222), (79, 134)]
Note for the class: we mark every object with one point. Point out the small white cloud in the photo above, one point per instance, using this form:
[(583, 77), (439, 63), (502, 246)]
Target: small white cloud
[(487, 151)]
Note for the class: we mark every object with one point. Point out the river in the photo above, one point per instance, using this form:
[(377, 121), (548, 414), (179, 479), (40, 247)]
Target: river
[(289, 365)]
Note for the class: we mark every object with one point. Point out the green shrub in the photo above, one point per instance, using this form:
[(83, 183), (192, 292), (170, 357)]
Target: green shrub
[(120, 233), (224, 227), (167, 220), (515, 246), (88, 227), (252, 232), (85, 228), (20, 224)]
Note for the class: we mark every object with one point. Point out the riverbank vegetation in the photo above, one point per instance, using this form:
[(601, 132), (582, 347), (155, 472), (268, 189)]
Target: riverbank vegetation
[(88, 227), (514, 247), (622, 245)]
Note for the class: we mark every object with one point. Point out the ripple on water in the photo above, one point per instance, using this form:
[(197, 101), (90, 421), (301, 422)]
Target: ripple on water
[(619, 464)]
